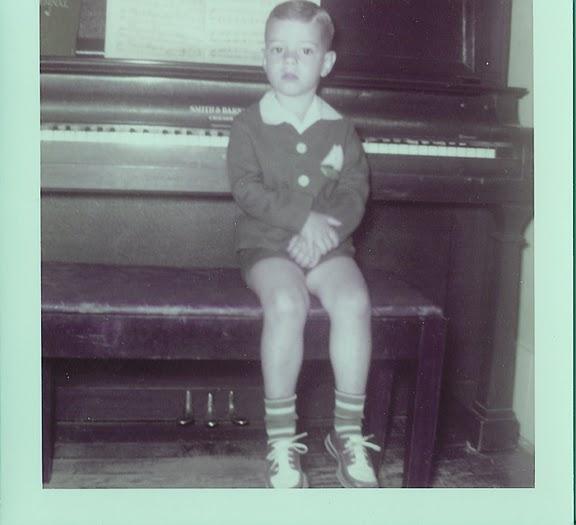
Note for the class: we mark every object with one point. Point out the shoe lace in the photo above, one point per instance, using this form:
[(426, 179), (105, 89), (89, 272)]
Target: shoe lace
[(283, 450), (356, 447)]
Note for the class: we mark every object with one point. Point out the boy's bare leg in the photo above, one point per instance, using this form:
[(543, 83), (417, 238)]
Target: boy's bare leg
[(280, 286), (341, 288)]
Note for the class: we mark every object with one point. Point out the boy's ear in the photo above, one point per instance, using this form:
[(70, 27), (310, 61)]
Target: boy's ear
[(329, 61)]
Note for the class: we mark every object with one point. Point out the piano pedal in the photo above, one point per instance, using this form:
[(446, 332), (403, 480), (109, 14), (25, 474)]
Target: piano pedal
[(211, 421), (188, 418), (234, 418)]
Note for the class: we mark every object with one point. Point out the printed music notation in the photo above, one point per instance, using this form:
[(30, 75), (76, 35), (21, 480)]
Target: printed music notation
[(214, 31)]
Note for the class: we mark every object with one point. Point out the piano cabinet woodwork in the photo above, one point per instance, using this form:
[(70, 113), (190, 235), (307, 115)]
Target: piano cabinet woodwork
[(491, 421)]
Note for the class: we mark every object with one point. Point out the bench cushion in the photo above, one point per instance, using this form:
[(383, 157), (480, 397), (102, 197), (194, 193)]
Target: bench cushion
[(125, 312), (193, 292)]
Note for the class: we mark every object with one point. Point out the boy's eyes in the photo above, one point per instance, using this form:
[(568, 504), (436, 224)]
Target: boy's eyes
[(279, 50)]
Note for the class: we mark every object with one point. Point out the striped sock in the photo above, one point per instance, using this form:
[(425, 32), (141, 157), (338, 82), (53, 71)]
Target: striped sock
[(280, 417), (348, 413)]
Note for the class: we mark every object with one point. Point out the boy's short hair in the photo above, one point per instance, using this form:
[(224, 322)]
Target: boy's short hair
[(304, 11)]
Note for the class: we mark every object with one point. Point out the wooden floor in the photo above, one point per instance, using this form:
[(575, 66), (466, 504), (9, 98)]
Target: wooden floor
[(239, 464)]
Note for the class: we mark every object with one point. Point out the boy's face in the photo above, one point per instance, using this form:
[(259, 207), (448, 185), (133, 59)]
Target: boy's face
[(295, 57)]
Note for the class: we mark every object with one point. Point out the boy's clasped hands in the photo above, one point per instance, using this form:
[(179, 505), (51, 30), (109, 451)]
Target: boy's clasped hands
[(316, 238)]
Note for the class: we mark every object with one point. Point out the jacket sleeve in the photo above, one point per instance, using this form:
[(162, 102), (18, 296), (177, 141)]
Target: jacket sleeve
[(281, 207), (346, 200)]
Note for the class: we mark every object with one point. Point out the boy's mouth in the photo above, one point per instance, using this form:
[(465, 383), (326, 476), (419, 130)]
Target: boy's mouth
[(289, 76)]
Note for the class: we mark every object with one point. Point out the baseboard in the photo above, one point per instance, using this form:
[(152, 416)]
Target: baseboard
[(523, 403), (527, 446)]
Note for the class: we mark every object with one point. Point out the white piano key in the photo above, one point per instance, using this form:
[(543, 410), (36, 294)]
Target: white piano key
[(394, 149), (421, 150), (371, 147), (381, 149), (490, 153), (402, 149), (458, 151), (478, 153), (145, 139), (451, 151), (442, 151), (412, 149)]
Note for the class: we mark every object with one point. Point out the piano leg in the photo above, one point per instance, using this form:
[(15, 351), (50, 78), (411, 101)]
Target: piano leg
[(492, 424), (379, 405), (423, 416)]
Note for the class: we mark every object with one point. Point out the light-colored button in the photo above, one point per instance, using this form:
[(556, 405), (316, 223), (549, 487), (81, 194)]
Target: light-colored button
[(301, 148), (303, 180)]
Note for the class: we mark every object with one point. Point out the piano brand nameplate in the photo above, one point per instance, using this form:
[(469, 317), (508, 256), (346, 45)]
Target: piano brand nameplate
[(204, 31)]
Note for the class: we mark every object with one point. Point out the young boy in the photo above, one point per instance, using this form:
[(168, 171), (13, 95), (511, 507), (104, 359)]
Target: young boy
[(298, 172)]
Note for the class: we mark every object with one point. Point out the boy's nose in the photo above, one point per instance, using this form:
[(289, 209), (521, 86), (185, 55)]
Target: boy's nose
[(290, 55)]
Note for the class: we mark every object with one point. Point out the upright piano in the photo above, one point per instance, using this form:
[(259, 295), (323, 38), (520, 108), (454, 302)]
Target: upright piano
[(133, 156)]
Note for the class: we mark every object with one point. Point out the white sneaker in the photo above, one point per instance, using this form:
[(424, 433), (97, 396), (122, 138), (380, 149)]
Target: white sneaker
[(355, 468), (283, 470)]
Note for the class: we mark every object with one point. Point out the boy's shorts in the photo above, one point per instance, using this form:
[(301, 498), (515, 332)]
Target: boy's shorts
[(248, 257)]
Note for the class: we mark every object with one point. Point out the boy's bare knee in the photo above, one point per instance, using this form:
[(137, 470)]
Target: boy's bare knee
[(349, 303), (287, 304)]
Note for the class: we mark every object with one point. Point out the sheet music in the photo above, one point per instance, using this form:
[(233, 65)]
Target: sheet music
[(214, 31)]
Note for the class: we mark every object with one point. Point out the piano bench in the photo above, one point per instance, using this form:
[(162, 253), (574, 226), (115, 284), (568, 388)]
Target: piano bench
[(158, 313)]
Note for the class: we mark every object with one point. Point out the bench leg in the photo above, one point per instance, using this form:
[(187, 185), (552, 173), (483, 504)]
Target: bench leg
[(421, 430), (378, 406), (47, 419)]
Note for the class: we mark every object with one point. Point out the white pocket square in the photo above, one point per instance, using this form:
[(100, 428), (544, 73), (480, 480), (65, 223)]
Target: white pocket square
[(332, 163)]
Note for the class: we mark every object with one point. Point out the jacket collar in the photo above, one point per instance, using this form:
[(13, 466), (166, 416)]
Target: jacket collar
[(273, 113)]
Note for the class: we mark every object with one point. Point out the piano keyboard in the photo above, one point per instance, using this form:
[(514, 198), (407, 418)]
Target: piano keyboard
[(164, 136)]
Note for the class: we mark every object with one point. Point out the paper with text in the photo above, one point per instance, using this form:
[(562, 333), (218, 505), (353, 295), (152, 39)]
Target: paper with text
[(209, 31)]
